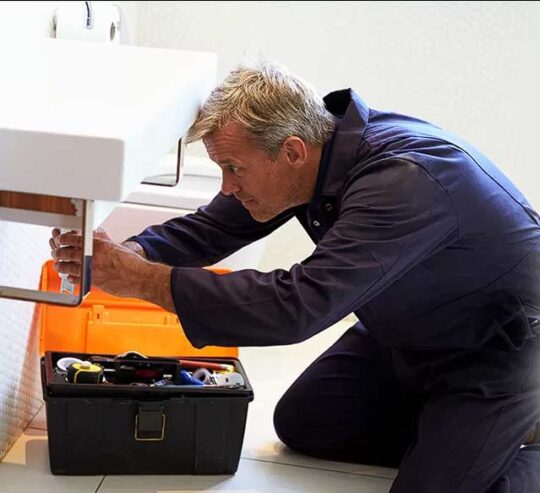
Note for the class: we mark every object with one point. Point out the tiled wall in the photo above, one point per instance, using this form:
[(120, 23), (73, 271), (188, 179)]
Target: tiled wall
[(24, 249)]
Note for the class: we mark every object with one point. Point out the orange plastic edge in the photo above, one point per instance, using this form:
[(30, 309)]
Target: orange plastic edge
[(137, 325)]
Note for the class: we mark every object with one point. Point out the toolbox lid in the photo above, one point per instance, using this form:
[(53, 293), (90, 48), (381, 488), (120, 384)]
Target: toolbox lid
[(109, 324), (55, 385)]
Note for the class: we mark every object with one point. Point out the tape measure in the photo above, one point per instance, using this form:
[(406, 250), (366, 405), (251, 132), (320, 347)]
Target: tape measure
[(84, 372)]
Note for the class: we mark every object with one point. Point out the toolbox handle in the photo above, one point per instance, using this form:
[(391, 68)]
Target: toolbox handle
[(150, 422)]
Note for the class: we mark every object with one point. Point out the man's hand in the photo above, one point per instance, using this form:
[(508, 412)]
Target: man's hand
[(116, 269)]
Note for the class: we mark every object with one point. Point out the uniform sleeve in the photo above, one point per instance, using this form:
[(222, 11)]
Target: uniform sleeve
[(207, 236), (391, 218)]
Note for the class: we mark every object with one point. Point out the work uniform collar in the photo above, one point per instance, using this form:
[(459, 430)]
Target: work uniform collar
[(340, 152)]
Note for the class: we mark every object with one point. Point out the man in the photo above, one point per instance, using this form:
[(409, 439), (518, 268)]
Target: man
[(416, 232)]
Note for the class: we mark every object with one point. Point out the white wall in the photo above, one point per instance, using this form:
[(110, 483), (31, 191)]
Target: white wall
[(471, 67), (24, 250)]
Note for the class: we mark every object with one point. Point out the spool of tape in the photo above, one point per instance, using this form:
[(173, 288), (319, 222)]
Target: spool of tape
[(203, 375), (63, 363)]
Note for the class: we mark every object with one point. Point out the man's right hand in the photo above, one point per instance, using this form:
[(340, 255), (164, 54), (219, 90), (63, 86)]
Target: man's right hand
[(116, 269), (114, 266)]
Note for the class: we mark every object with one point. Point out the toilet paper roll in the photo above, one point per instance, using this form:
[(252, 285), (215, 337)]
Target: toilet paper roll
[(88, 21)]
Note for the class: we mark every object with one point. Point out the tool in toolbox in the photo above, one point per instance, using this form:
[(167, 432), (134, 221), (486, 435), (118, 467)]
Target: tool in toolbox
[(186, 363), (136, 369), (63, 363), (84, 372), (192, 364)]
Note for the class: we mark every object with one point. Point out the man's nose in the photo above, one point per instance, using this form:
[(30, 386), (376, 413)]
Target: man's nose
[(229, 185)]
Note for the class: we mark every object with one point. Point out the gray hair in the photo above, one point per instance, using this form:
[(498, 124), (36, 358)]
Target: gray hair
[(270, 103)]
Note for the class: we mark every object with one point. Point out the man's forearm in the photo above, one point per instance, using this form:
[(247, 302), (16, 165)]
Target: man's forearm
[(153, 283), (135, 247)]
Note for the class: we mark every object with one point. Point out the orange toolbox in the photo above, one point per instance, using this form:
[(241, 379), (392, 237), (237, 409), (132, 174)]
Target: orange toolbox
[(109, 324)]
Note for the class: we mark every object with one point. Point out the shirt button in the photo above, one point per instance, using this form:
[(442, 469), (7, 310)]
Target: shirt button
[(316, 224), (328, 207)]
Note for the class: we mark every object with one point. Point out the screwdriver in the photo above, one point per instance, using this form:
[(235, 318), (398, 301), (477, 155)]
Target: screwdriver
[(191, 364)]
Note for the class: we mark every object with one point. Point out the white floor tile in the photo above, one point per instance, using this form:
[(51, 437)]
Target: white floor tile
[(262, 443), (251, 477), (25, 469)]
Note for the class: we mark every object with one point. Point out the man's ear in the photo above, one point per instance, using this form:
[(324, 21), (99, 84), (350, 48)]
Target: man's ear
[(295, 151)]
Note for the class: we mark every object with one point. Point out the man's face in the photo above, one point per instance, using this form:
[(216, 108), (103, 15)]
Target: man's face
[(265, 187)]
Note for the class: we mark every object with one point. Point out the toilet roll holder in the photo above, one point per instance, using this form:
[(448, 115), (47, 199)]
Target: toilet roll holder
[(88, 22)]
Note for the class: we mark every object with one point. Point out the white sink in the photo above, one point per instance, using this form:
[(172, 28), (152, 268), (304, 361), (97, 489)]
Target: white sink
[(90, 120)]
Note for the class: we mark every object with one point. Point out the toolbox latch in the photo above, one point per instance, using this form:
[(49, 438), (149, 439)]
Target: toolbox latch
[(150, 422)]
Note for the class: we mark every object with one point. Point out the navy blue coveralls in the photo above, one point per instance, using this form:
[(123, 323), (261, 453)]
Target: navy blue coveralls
[(438, 255)]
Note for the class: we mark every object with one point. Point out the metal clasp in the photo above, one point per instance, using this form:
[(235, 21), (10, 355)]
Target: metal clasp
[(151, 426)]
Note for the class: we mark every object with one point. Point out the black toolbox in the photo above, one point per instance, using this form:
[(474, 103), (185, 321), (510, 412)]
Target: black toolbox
[(105, 428)]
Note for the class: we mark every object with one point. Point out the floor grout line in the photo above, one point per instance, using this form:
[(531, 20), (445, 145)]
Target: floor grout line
[(34, 417), (320, 468), (100, 483)]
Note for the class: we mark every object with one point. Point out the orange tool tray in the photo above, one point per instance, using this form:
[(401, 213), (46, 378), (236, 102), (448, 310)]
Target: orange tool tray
[(112, 325)]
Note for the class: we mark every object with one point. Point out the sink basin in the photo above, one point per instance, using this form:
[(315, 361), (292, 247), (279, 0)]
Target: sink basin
[(90, 120), (82, 125)]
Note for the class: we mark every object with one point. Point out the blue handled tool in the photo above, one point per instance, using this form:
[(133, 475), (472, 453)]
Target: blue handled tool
[(185, 378)]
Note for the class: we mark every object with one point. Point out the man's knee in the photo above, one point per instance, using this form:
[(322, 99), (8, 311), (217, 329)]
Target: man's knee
[(298, 422), (286, 419), (309, 427)]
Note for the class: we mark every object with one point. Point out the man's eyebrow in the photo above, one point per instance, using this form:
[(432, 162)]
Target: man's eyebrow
[(228, 163)]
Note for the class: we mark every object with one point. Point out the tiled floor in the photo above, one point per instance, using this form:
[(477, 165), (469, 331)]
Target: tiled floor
[(266, 465)]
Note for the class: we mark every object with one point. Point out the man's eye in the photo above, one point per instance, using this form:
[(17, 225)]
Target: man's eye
[(234, 169)]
